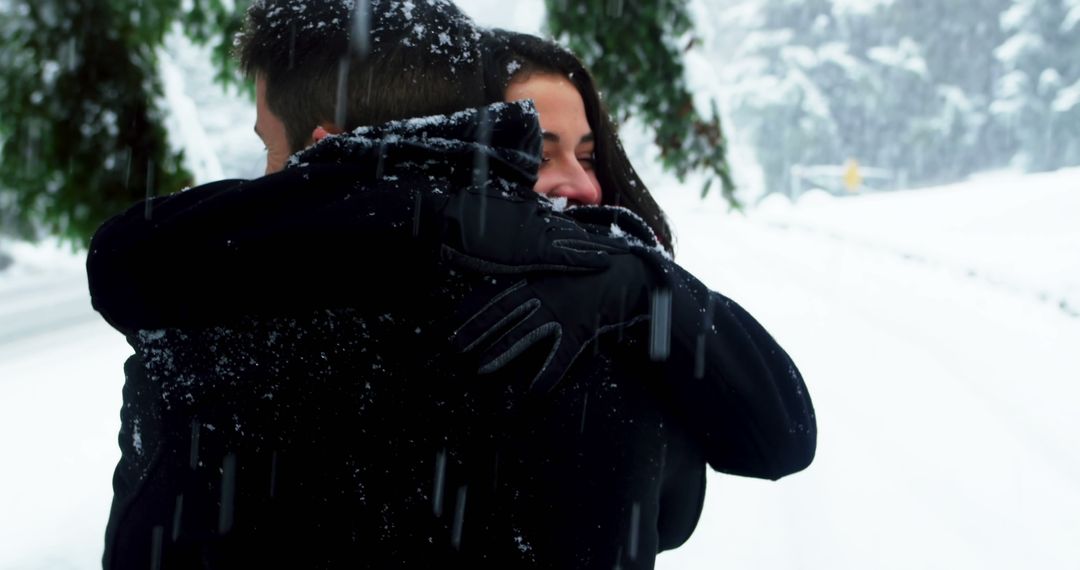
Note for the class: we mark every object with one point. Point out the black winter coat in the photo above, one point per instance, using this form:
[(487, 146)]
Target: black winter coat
[(293, 402)]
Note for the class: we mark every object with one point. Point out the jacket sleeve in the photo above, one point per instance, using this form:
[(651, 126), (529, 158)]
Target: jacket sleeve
[(292, 242), (739, 390)]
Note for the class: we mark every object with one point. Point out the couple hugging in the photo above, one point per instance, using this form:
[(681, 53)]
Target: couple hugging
[(445, 328)]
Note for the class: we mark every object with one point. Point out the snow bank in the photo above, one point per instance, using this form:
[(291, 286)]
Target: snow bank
[(1013, 232)]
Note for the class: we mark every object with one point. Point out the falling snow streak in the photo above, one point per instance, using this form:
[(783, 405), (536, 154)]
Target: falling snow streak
[(149, 189), (196, 427), (660, 329), (622, 311), (440, 482), (699, 357), (481, 174), (459, 517), (596, 341), (127, 168), (342, 102), (70, 56), (463, 228), (417, 203), (292, 46), (157, 538), (382, 159), (273, 473), (635, 531), (360, 36), (584, 408), (370, 82), (227, 515), (32, 138), (706, 326), (663, 457), (178, 517)]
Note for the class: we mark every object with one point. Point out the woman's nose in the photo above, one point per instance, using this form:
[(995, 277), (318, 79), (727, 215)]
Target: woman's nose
[(577, 185)]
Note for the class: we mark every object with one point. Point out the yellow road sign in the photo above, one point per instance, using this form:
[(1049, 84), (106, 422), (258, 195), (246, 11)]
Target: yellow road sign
[(852, 179)]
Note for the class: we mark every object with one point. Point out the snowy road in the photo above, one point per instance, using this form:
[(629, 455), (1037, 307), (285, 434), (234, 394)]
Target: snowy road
[(945, 407), (42, 305), (60, 381)]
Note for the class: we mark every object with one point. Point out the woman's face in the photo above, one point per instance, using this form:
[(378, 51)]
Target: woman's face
[(567, 169)]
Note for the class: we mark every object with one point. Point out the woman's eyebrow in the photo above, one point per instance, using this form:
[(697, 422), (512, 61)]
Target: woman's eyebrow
[(554, 137)]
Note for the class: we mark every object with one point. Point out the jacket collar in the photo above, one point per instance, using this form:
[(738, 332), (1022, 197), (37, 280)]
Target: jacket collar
[(503, 137)]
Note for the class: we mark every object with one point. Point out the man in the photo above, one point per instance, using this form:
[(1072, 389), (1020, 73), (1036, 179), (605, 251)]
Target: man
[(278, 340), (293, 399), (304, 391)]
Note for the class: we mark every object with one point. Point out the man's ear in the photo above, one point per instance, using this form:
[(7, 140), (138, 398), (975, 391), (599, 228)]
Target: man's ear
[(324, 130)]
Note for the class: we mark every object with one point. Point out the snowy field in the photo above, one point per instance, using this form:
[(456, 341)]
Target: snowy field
[(938, 331)]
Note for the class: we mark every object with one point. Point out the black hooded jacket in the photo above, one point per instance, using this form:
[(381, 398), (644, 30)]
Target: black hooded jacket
[(293, 400)]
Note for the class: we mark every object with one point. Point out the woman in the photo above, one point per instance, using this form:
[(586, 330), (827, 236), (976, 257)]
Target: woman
[(723, 393), (581, 144)]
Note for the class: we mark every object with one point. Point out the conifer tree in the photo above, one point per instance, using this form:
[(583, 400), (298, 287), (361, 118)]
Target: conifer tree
[(81, 135), (1039, 94)]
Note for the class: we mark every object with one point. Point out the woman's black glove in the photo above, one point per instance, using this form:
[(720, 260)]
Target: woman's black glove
[(505, 233), (566, 311)]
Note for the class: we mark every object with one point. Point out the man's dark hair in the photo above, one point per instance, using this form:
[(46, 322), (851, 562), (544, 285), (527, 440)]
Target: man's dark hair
[(385, 60)]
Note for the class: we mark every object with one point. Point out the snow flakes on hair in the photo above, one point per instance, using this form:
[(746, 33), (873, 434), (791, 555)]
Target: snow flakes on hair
[(389, 18)]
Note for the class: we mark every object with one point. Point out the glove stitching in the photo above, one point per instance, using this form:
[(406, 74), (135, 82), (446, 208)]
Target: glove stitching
[(520, 314), (485, 308)]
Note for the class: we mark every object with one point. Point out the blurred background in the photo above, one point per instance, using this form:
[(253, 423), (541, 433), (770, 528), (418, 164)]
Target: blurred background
[(891, 186)]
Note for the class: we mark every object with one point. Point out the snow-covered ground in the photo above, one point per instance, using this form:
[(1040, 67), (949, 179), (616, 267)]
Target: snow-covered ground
[(937, 330), (944, 379)]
